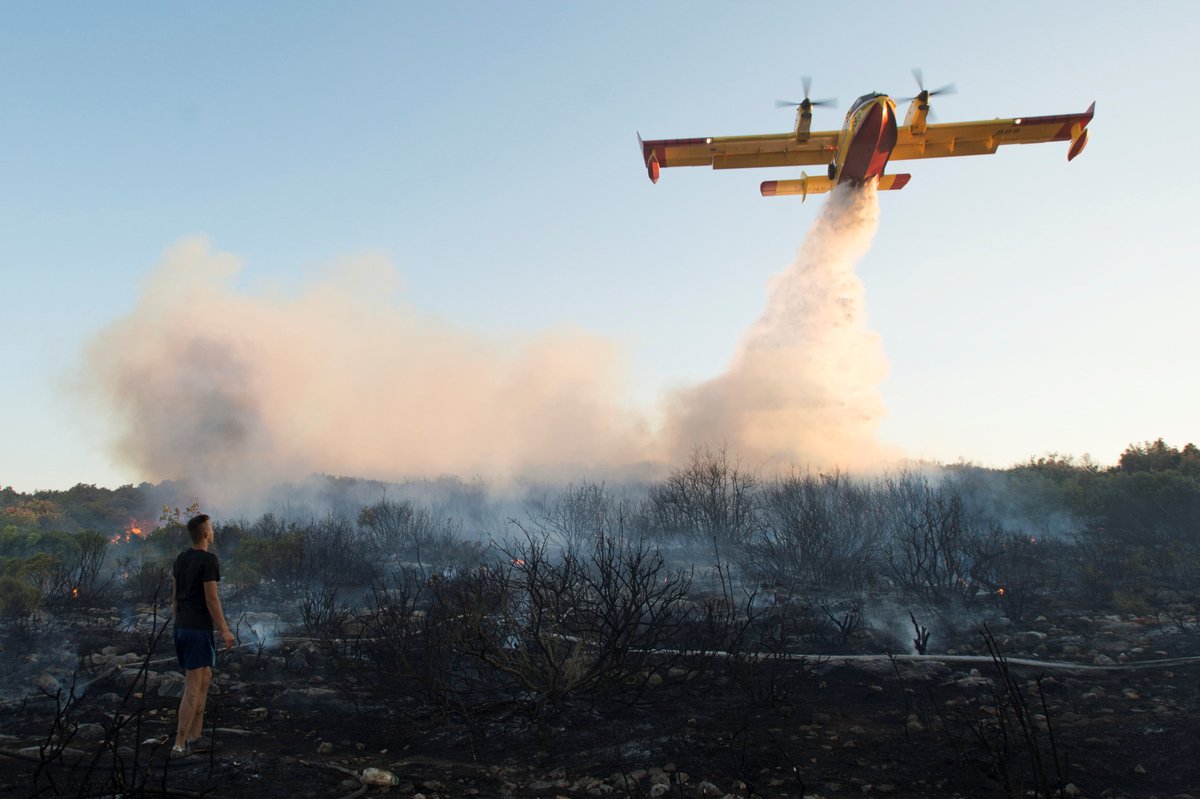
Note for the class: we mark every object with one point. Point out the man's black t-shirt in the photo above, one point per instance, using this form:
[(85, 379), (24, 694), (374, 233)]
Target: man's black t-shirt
[(193, 568)]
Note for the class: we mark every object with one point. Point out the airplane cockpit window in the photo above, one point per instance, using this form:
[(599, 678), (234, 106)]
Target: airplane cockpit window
[(866, 98)]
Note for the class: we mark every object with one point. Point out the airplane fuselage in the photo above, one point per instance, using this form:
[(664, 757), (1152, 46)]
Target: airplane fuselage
[(867, 140)]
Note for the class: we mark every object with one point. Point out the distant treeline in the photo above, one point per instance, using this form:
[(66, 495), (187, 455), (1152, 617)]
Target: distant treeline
[(1046, 488)]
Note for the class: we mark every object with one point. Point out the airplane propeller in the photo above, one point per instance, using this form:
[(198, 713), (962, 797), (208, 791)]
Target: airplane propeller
[(806, 103), (925, 94)]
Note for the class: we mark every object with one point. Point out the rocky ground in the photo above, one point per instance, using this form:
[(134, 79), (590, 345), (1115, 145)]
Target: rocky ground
[(288, 719)]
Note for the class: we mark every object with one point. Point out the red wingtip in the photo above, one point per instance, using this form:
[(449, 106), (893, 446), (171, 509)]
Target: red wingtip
[(1088, 114)]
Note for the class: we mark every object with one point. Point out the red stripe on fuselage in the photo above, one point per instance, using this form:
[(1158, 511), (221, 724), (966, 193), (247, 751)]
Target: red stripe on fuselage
[(872, 145)]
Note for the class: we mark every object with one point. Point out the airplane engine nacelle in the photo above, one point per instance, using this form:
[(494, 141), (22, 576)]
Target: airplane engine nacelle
[(1079, 140), (652, 169)]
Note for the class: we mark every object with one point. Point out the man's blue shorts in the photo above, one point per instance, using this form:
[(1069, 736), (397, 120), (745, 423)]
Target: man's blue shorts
[(195, 649)]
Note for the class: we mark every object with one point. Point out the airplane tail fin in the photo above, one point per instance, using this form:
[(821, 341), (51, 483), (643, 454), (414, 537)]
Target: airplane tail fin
[(807, 185)]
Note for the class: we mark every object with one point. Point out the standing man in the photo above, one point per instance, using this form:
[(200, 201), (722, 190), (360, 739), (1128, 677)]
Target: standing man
[(196, 608)]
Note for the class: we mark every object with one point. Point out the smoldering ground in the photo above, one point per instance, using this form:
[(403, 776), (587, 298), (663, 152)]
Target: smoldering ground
[(228, 387)]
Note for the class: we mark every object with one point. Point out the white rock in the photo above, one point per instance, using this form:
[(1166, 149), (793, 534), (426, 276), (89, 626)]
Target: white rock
[(47, 683)]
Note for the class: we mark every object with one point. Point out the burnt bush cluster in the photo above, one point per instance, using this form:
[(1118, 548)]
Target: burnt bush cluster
[(338, 552), (295, 555), (934, 539), (1017, 539), (822, 545), (551, 628)]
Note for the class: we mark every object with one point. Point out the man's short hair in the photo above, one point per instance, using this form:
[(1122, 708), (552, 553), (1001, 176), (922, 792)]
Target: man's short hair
[(195, 527)]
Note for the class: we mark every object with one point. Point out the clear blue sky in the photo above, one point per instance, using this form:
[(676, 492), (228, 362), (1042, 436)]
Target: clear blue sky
[(488, 149)]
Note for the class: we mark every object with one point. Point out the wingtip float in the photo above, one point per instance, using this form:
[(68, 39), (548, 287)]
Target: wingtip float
[(869, 139)]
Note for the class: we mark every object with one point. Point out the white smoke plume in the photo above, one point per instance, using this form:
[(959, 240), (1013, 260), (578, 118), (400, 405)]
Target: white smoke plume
[(227, 388), (233, 390), (803, 387)]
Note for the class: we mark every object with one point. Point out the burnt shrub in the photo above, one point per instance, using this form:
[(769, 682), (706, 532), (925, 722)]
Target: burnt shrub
[(1023, 574), (817, 530), (324, 552), (81, 579), (931, 533), (404, 533), (747, 640), (325, 617), (580, 515), (144, 581), (709, 501), (333, 554), (556, 628), (404, 637), (389, 525)]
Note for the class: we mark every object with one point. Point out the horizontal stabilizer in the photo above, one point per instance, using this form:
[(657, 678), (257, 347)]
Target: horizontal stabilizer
[(893, 182)]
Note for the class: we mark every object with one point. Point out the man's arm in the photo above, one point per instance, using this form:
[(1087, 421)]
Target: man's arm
[(214, 609), (174, 598)]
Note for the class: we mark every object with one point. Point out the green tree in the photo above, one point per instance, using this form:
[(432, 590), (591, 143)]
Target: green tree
[(18, 601), (1158, 456)]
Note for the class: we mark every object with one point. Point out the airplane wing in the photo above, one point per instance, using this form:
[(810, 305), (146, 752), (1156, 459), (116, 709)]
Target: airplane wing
[(982, 138), (738, 152)]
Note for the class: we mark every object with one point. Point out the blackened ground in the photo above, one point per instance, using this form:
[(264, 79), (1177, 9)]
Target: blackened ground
[(291, 725)]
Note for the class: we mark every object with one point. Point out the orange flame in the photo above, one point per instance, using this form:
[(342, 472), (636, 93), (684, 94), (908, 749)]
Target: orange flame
[(74, 593), (518, 561), (1000, 591), (131, 532)]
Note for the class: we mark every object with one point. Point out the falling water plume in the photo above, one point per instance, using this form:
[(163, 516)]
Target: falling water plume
[(803, 386)]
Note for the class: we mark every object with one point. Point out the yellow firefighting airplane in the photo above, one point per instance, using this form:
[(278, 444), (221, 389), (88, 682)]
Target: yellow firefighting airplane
[(869, 138)]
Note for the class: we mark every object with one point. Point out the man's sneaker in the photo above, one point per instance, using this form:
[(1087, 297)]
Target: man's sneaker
[(181, 751), (203, 744)]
